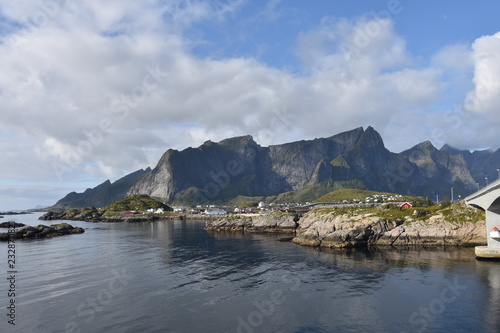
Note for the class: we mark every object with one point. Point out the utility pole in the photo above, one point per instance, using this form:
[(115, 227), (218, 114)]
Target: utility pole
[(437, 198), (452, 194)]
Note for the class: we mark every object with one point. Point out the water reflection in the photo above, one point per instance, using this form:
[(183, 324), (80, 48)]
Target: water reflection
[(490, 274), (184, 279)]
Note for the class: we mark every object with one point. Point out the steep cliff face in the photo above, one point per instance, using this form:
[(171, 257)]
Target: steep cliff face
[(296, 162), (439, 169), (369, 160), (302, 170), (239, 166), (481, 164), (209, 172), (358, 158)]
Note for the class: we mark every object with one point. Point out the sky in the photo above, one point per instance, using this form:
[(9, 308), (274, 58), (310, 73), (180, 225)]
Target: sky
[(93, 90)]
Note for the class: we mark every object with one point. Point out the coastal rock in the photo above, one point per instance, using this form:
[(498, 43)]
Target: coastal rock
[(41, 231), (14, 213), (332, 230), (11, 224), (342, 231), (445, 225), (270, 223), (439, 232), (94, 217)]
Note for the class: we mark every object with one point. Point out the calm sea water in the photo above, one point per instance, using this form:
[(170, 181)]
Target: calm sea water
[(175, 277)]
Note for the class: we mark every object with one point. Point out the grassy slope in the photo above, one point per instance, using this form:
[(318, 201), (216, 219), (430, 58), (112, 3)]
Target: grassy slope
[(310, 193), (313, 193), (349, 194), (454, 213), (135, 202)]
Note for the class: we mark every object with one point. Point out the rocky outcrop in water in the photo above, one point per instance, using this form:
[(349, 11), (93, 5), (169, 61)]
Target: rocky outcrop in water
[(270, 223), (41, 231), (96, 217), (11, 224), (14, 213), (359, 229), (364, 227)]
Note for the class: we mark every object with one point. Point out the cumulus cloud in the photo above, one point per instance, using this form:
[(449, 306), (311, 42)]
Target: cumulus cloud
[(92, 78), (97, 90), (485, 97), (471, 123)]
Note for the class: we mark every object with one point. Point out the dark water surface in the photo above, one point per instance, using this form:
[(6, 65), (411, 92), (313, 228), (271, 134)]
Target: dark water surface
[(175, 277)]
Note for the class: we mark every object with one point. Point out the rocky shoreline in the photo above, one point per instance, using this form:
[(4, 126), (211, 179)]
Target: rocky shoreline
[(270, 223), (342, 228), (14, 213), (96, 217), (41, 231)]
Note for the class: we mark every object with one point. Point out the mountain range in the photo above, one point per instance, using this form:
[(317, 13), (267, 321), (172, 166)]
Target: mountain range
[(221, 172)]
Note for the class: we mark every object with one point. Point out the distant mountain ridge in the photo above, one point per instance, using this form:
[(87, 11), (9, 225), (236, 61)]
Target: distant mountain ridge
[(101, 195), (220, 172)]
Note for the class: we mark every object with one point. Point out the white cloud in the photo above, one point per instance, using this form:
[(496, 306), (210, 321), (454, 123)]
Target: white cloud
[(474, 122), (362, 46), (71, 78), (457, 57), (105, 89), (363, 75), (485, 98)]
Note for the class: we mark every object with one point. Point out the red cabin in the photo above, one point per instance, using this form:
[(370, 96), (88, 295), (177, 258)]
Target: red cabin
[(406, 205)]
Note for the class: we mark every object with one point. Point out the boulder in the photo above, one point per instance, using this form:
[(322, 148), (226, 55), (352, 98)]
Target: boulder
[(41, 231)]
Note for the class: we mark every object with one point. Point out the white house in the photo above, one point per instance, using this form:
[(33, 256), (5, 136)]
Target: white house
[(215, 211)]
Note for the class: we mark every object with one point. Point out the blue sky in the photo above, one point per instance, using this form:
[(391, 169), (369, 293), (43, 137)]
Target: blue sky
[(268, 30), (92, 91)]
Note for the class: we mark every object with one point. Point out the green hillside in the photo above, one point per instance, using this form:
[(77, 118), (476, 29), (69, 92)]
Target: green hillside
[(350, 194), (138, 202)]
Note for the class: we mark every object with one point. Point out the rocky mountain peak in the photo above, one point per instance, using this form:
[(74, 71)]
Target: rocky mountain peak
[(238, 166), (371, 139), (240, 143)]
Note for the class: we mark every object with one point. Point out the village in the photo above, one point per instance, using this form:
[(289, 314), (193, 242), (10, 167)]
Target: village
[(263, 207)]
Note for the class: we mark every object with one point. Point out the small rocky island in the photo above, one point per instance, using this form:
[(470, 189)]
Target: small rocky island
[(41, 231), (14, 213), (354, 226), (134, 208), (279, 223), (11, 224)]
